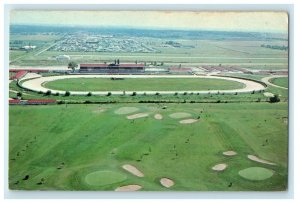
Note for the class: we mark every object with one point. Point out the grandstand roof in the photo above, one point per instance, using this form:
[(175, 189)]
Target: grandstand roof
[(19, 74), (29, 70), (109, 65), (14, 101), (41, 101)]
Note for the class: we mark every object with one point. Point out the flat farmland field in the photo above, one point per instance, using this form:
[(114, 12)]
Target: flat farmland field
[(191, 53), (76, 147), (34, 37), (141, 84)]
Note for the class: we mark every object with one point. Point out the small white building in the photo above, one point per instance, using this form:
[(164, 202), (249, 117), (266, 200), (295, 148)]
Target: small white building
[(28, 47)]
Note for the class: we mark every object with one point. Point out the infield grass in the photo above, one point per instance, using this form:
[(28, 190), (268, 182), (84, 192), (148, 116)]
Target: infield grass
[(141, 84)]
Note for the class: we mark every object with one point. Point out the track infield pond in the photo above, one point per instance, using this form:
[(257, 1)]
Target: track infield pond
[(78, 147), (141, 84)]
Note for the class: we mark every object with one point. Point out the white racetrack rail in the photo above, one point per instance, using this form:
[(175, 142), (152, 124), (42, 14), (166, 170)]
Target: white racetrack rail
[(36, 84)]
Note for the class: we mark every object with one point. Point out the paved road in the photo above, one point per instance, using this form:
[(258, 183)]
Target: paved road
[(36, 84), (267, 80), (46, 48), (172, 56)]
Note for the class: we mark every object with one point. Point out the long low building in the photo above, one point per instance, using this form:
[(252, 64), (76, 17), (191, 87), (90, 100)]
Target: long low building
[(112, 68), (32, 101)]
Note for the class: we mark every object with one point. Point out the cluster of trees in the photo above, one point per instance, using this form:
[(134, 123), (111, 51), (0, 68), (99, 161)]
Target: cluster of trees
[(72, 65), (285, 48), (117, 61), (155, 63), (274, 99), (48, 93)]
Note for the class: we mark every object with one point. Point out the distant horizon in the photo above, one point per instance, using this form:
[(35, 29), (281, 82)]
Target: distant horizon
[(240, 21), (145, 28)]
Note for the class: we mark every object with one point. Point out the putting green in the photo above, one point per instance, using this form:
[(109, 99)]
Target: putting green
[(100, 178), (180, 115), (256, 173)]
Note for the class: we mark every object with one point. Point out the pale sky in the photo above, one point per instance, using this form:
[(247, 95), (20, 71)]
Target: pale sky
[(227, 21)]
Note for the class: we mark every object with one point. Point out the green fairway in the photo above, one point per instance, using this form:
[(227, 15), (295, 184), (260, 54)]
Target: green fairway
[(256, 173), (141, 84), (83, 147), (282, 81)]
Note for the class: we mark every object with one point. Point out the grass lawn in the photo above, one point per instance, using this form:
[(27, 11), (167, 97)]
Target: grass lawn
[(141, 84), (283, 82), (14, 54), (72, 147)]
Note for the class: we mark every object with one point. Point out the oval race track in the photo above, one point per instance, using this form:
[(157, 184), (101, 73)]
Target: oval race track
[(35, 84), (266, 80)]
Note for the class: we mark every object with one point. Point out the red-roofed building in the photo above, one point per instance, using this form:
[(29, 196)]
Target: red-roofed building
[(33, 70), (41, 101), (112, 68), (14, 101), (32, 101), (19, 75)]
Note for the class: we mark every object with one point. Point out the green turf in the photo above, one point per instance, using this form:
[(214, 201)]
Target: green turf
[(140, 84), (62, 144), (282, 81), (180, 115), (126, 110), (256, 173), (100, 178)]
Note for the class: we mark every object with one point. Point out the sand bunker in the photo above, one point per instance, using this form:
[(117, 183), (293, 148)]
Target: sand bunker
[(166, 182), (126, 110), (229, 153), (255, 158), (219, 167), (133, 170), (188, 121), (158, 116), (256, 173), (180, 115), (138, 115), (269, 94), (128, 188)]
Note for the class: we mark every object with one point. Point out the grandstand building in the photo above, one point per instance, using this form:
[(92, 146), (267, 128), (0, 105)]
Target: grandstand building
[(112, 68)]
